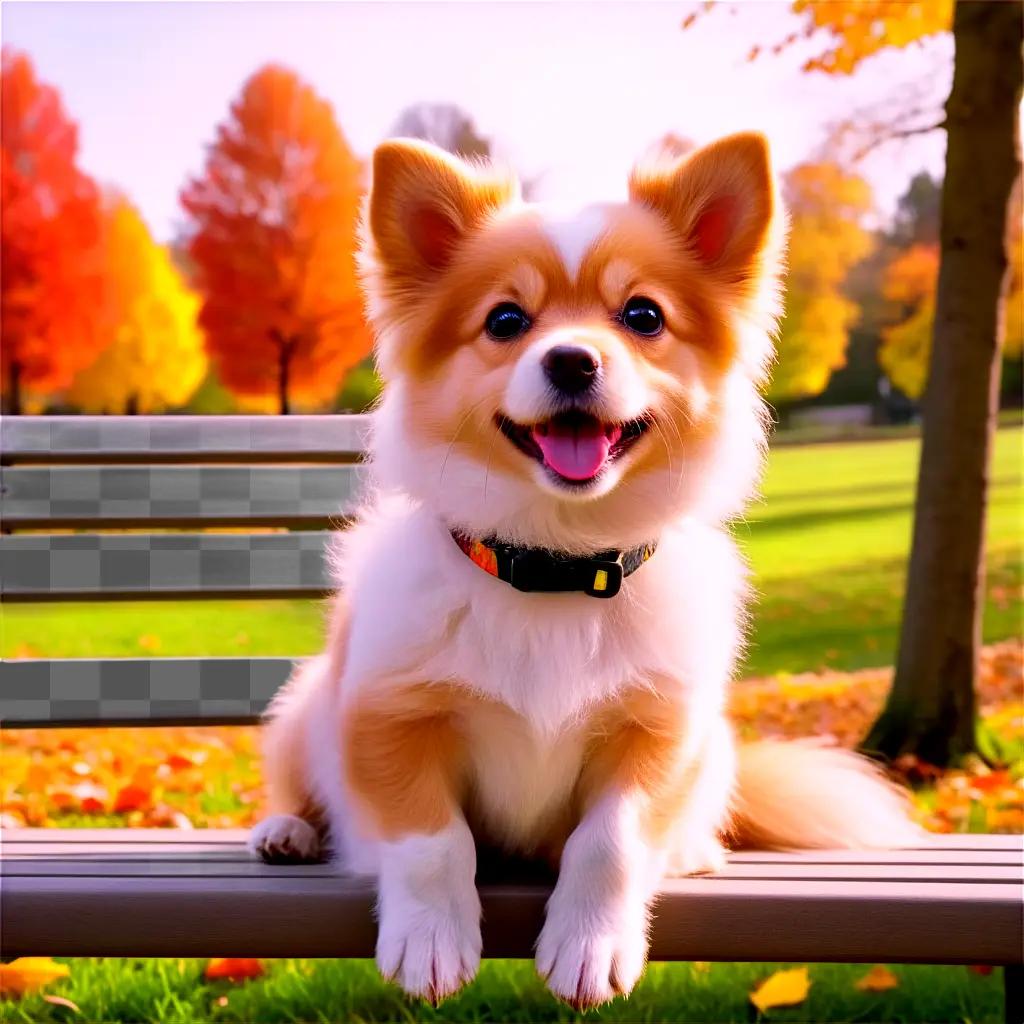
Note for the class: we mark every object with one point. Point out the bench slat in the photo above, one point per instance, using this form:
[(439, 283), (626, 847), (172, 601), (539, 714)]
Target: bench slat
[(143, 439), (217, 865), (996, 852), (226, 838), (257, 910), (178, 496), (64, 567), (83, 691)]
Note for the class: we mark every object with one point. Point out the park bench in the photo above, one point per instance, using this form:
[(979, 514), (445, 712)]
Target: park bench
[(283, 484)]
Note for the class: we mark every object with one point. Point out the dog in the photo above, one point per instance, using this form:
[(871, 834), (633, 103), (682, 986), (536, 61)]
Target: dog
[(540, 607)]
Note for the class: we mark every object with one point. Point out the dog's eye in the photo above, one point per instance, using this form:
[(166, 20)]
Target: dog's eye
[(506, 322), (642, 316)]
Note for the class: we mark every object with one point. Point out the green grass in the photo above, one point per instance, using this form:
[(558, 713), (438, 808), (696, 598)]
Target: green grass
[(351, 991), (828, 544)]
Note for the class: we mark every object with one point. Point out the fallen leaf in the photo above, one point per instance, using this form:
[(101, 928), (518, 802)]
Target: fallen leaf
[(232, 969), (131, 798), (783, 988), (878, 979), (61, 1001), (983, 969), (28, 973)]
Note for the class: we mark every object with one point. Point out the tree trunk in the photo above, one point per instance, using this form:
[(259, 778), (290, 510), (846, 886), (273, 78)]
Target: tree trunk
[(285, 351), (931, 709), (14, 390)]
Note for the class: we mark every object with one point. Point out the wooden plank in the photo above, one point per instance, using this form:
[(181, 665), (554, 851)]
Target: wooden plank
[(149, 439), (65, 567), (146, 691), (64, 497), (173, 844), (217, 864), (227, 836), (278, 915)]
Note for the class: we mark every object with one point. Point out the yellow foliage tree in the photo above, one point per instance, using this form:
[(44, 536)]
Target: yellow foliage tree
[(826, 205), (909, 285), (860, 28), (156, 358)]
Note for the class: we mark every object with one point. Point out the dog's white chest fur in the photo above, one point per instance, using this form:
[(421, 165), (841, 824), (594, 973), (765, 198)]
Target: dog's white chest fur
[(422, 612)]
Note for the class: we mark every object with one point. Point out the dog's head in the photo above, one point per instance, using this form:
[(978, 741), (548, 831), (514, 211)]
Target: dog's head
[(574, 377)]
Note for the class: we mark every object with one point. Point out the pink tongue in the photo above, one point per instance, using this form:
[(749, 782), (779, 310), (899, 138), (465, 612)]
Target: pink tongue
[(575, 452)]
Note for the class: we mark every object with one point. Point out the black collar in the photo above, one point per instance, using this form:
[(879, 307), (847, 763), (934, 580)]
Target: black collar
[(537, 569)]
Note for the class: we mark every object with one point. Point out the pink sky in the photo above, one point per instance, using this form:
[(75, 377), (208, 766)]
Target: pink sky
[(573, 91)]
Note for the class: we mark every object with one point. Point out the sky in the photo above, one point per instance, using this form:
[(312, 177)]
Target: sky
[(571, 93)]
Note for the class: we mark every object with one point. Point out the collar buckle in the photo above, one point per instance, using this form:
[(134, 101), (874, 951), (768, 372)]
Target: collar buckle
[(605, 576), (532, 571)]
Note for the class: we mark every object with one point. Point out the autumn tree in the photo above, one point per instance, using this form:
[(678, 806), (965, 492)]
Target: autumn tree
[(909, 286), (931, 707), (826, 207), (272, 238), (49, 237), (154, 358)]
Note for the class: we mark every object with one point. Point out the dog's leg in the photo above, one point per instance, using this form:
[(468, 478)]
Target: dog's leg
[(289, 833), (642, 779), (404, 762)]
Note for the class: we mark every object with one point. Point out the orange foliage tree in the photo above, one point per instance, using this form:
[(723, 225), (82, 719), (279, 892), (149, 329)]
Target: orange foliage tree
[(49, 235), (272, 239), (154, 358), (826, 207)]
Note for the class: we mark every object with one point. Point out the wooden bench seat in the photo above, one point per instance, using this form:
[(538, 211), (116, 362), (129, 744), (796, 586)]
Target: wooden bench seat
[(199, 893)]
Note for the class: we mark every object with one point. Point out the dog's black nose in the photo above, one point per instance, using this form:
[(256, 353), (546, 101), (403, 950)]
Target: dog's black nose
[(571, 369)]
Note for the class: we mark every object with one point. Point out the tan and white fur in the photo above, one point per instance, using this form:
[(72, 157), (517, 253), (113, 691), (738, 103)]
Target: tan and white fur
[(450, 708)]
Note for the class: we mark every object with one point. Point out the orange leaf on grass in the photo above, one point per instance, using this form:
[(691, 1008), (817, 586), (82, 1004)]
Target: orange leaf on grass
[(28, 973), (229, 968), (878, 979), (991, 781), (61, 1001), (132, 798), (983, 969), (783, 988)]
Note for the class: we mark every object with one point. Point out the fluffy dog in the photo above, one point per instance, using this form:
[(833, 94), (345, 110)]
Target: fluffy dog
[(541, 606)]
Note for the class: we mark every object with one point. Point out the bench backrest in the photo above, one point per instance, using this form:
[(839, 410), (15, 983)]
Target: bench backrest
[(273, 486)]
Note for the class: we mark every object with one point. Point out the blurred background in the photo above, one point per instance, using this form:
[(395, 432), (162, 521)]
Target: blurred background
[(180, 188), (186, 179)]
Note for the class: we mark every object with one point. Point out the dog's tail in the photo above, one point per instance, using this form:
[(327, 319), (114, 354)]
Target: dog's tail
[(798, 795)]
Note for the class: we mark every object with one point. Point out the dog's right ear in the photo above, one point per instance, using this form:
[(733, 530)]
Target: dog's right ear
[(424, 202)]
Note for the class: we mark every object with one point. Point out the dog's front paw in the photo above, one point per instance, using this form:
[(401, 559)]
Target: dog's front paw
[(284, 839), (589, 959), (430, 954)]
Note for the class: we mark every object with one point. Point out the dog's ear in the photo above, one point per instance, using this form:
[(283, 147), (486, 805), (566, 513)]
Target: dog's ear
[(424, 202), (721, 200)]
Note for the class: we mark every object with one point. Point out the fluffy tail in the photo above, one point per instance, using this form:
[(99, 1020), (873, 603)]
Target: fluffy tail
[(798, 795)]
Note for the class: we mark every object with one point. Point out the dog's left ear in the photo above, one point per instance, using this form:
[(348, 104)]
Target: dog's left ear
[(721, 201)]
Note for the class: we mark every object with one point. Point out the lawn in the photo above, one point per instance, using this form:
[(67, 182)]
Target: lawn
[(827, 545)]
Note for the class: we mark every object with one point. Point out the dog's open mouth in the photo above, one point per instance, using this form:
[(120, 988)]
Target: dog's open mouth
[(573, 446)]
